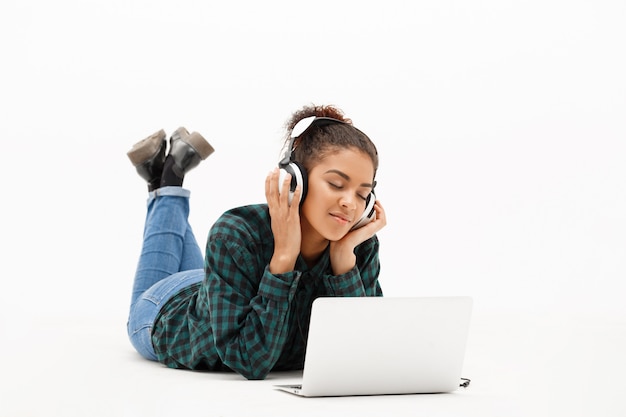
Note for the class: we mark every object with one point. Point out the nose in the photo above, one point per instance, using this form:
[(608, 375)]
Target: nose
[(348, 201)]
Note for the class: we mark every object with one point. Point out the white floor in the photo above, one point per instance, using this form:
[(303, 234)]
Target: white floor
[(519, 366)]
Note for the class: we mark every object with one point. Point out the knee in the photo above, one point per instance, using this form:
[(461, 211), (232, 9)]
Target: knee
[(141, 339)]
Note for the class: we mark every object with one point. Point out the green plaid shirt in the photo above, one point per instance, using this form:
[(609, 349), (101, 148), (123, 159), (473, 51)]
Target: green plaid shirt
[(242, 317)]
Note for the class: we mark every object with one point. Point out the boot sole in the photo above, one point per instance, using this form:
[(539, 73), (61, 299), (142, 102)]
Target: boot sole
[(199, 144), (179, 134), (146, 149)]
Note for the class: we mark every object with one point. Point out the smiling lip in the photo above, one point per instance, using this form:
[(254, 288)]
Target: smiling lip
[(340, 218)]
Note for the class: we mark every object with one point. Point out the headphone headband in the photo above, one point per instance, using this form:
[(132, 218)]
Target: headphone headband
[(300, 128)]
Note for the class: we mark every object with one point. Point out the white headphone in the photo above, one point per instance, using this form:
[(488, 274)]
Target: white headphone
[(298, 173)]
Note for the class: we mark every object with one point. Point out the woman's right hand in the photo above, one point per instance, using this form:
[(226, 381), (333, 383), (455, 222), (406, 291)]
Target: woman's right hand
[(285, 222)]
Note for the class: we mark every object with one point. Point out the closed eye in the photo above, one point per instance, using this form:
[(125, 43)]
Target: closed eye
[(340, 187)]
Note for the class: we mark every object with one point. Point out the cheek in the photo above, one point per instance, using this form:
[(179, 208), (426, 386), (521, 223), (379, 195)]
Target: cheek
[(313, 193), (309, 207), (313, 203)]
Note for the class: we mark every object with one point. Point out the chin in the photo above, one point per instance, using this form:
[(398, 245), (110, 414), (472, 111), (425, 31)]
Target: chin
[(330, 232), (335, 235)]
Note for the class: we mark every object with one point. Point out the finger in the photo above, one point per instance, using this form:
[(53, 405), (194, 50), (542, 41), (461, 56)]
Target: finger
[(268, 184), (271, 186), (297, 194), (378, 207), (381, 216), (284, 188)]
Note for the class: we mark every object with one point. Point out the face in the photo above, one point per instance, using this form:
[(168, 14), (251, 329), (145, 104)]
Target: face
[(337, 191)]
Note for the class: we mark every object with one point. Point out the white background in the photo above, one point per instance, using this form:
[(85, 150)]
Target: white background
[(500, 127)]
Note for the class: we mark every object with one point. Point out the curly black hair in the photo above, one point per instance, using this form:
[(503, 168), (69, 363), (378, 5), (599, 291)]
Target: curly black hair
[(319, 141)]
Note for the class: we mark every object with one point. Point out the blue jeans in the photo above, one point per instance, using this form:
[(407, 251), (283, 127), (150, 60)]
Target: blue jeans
[(170, 260)]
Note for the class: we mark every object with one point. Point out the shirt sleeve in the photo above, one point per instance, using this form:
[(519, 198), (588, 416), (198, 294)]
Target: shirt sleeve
[(362, 280), (249, 314)]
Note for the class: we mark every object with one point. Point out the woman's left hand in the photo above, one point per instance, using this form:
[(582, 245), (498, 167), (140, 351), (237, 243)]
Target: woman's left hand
[(342, 257)]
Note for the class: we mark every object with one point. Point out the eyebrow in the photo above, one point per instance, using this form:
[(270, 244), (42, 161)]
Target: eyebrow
[(347, 178)]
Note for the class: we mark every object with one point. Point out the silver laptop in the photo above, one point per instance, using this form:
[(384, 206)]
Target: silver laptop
[(384, 345)]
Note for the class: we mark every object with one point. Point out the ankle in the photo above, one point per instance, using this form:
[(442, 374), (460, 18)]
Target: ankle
[(170, 177), (154, 184)]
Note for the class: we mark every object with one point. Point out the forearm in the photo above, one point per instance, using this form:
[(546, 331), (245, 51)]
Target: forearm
[(282, 262), (359, 273), (342, 258), (250, 330)]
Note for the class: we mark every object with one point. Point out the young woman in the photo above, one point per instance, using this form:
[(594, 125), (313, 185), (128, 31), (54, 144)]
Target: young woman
[(246, 306)]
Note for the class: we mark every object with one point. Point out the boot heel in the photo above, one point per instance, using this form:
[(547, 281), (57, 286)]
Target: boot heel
[(179, 134), (148, 156), (200, 144), (188, 152), (146, 149)]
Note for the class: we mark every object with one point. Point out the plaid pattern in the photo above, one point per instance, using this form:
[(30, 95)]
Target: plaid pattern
[(242, 317)]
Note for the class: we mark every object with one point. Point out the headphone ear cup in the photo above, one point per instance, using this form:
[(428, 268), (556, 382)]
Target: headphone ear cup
[(304, 177), (368, 214), (298, 177)]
